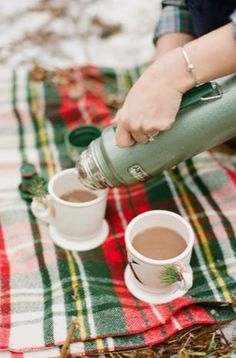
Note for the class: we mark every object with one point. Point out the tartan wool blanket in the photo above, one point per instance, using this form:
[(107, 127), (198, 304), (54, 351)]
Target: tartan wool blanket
[(43, 286)]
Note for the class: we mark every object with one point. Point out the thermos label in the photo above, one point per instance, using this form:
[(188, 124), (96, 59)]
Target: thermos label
[(138, 172)]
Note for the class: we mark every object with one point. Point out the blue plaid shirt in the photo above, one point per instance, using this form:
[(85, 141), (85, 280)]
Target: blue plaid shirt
[(175, 17)]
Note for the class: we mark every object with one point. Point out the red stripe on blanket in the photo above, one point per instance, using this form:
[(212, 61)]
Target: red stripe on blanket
[(68, 109), (89, 107), (17, 355), (97, 109), (122, 209), (232, 175), (116, 260), (230, 172), (5, 297), (94, 98)]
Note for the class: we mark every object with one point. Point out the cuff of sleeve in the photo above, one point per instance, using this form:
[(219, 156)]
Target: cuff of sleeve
[(233, 19), (173, 19)]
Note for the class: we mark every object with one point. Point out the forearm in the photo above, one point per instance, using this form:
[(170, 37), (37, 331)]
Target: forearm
[(170, 41), (213, 56)]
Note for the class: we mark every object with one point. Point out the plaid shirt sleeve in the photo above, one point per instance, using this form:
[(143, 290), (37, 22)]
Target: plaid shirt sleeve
[(233, 19), (174, 18)]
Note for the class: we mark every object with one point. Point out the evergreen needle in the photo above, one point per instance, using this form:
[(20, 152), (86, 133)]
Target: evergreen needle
[(38, 188), (169, 275)]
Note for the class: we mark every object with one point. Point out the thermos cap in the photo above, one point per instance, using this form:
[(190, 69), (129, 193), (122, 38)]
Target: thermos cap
[(79, 138)]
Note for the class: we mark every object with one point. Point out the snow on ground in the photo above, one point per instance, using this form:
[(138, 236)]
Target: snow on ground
[(133, 45)]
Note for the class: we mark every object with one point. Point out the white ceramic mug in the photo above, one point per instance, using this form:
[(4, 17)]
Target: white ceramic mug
[(74, 226), (145, 277)]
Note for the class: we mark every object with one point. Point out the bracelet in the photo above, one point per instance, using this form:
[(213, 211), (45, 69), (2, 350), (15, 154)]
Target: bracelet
[(190, 67)]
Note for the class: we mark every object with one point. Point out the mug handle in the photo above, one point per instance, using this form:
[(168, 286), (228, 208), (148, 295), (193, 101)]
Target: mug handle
[(187, 279), (40, 211)]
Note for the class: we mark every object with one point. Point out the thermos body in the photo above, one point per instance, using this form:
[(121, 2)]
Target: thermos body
[(208, 121)]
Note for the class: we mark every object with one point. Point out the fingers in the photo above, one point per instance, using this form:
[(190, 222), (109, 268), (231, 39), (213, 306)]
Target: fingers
[(130, 131), (139, 137), (126, 138), (123, 137)]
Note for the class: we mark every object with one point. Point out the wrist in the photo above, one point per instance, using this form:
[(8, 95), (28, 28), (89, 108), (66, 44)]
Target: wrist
[(173, 70)]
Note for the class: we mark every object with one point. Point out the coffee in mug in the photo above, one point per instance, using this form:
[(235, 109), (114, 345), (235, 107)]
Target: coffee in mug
[(159, 243), (78, 196), (76, 215)]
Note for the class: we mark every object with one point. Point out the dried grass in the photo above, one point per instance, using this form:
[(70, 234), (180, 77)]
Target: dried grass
[(204, 341), (208, 341)]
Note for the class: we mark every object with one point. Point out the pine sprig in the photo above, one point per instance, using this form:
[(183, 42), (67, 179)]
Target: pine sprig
[(170, 274), (38, 189)]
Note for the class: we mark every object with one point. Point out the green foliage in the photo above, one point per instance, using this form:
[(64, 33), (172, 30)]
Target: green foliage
[(170, 275), (38, 189)]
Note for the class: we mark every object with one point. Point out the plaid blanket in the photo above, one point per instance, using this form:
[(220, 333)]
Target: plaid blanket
[(43, 286)]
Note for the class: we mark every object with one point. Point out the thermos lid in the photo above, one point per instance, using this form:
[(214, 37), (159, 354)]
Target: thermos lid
[(79, 138)]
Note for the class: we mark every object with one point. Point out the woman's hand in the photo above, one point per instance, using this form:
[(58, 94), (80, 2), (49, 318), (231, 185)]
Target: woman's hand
[(153, 102), (149, 108)]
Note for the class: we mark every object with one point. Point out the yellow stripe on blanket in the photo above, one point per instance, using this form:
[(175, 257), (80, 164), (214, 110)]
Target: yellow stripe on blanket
[(78, 302), (204, 241), (42, 130)]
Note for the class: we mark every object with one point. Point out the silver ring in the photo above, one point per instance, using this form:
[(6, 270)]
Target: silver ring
[(151, 137)]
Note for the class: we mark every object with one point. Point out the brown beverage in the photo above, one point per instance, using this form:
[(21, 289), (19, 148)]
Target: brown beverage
[(78, 196), (159, 243)]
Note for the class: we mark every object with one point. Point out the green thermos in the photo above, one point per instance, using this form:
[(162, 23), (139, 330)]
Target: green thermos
[(207, 117)]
